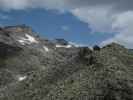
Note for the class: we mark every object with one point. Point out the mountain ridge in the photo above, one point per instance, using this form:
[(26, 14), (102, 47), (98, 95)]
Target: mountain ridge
[(32, 68)]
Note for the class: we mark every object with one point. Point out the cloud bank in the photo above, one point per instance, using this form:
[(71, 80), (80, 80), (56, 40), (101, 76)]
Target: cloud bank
[(101, 15)]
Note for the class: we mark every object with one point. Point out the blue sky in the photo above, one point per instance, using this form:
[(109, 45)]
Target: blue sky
[(53, 24), (86, 22)]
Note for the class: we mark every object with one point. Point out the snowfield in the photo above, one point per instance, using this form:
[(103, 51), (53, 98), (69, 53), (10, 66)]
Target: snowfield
[(63, 46), (27, 40)]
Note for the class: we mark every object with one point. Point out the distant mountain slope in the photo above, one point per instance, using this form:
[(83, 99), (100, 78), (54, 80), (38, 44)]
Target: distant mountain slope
[(32, 68)]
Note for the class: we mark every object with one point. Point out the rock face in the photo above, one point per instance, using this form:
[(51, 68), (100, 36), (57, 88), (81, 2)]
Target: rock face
[(61, 41), (32, 68)]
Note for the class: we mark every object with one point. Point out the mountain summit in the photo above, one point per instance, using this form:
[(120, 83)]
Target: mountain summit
[(32, 68)]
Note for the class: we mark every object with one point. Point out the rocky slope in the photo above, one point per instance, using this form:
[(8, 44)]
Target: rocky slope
[(33, 68)]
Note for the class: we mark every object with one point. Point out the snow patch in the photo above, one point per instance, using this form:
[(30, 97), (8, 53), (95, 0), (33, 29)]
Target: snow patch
[(22, 42), (21, 78), (77, 44), (46, 48), (91, 48), (63, 46), (28, 40), (31, 39)]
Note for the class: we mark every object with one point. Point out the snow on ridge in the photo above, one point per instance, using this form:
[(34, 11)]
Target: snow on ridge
[(46, 48), (22, 42), (31, 39), (63, 46), (28, 40), (77, 44), (80, 45)]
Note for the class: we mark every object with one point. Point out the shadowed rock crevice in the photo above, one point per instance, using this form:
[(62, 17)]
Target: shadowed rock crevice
[(8, 50)]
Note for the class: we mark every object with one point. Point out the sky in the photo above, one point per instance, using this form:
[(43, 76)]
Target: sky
[(82, 22)]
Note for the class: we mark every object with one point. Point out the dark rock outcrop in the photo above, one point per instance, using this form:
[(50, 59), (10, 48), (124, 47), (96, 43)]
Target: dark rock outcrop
[(8, 50), (96, 48), (61, 41)]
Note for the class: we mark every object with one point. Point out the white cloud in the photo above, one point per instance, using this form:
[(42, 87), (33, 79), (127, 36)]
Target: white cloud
[(98, 18), (23, 4), (14, 4), (119, 5), (123, 24), (104, 20)]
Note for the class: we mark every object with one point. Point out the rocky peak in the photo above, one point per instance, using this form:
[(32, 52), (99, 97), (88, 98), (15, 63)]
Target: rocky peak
[(61, 41), (18, 28), (114, 45)]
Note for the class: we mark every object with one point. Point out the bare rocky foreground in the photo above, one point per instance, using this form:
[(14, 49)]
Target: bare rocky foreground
[(33, 68)]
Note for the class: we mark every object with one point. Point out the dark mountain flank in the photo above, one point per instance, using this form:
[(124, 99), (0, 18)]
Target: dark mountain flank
[(33, 68)]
